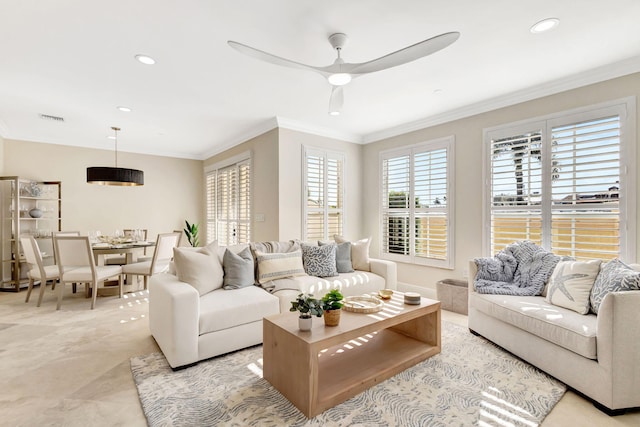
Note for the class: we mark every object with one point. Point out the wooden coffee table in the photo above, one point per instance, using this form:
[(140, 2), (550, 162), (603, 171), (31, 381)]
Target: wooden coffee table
[(321, 368)]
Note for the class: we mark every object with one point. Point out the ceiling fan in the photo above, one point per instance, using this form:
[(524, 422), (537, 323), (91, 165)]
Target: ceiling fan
[(340, 73)]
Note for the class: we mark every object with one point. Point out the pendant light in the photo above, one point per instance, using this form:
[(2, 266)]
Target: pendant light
[(115, 176)]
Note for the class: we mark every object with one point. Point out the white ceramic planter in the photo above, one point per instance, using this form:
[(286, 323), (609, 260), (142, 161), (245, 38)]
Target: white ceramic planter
[(304, 323)]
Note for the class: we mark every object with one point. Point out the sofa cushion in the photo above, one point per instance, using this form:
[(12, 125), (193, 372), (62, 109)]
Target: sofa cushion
[(222, 309), (570, 284), (238, 269), (319, 261), (273, 266), (359, 252), (614, 276), (343, 256), (533, 314), (200, 268), (349, 284)]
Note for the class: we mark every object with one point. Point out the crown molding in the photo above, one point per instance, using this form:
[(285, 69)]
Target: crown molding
[(290, 124), (596, 75), (257, 130)]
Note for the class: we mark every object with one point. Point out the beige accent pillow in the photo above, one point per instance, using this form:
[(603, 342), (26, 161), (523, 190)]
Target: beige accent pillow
[(570, 284), (272, 266), (200, 268), (359, 252)]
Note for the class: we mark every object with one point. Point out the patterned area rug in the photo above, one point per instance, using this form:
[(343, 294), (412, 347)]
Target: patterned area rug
[(471, 382)]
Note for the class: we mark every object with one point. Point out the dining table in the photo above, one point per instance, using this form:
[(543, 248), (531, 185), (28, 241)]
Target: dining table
[(130, 250)]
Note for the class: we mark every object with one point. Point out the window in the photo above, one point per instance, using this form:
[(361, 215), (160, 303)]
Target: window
[(417, 204), (323, 208), (565, 183), (228, 188)]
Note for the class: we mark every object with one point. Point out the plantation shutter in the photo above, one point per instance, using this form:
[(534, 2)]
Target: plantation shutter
[(324, 195), (229, 204), (585, 219), (516, 192), (416, 204)]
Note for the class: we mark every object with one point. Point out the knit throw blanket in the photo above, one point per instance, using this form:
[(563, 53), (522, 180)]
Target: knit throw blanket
[(521, 268)]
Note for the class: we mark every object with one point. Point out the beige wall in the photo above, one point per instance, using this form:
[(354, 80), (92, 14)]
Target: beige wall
[(468, 168), (264, 155), (1, 156), (172, 191), (290, 181)]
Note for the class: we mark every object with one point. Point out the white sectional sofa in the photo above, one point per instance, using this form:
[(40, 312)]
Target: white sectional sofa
[(597, 355), (190, 327)]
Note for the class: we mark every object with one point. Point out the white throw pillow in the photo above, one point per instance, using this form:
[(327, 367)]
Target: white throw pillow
[(359, 252), (570, 284), (200, 268), (273, 266)]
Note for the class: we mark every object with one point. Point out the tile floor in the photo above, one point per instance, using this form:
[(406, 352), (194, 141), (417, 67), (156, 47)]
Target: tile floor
[(71, 367)]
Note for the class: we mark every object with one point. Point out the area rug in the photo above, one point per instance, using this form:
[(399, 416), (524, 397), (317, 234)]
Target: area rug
[(471, 382)]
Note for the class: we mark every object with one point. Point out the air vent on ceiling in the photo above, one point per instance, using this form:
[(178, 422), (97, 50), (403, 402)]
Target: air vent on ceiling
[(53, 118)]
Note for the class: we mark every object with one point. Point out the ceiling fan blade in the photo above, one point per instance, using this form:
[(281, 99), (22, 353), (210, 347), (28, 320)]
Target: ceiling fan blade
[(336, 101), (408, 54), (273, 59)]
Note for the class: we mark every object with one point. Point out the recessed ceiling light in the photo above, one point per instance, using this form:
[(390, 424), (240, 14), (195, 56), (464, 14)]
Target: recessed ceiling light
[(147, 60), (544, 25), (334, 113), (125, 109), (437, 91)]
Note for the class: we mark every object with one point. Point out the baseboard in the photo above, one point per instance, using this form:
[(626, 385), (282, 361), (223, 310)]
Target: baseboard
[(425, 292)]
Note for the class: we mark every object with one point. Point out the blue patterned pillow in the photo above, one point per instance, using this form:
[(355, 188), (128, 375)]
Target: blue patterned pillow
[(614, 276), (319, 261)]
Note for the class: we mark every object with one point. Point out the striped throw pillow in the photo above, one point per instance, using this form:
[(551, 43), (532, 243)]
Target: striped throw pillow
[(272, 266)]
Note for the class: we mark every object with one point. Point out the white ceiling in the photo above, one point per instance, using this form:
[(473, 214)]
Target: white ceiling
[(75, 59)]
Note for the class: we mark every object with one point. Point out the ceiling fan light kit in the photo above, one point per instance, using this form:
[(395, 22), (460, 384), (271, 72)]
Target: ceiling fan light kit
[(341, 73)]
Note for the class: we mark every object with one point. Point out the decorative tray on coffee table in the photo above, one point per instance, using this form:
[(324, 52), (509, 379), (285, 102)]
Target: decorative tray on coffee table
[(362, 304)]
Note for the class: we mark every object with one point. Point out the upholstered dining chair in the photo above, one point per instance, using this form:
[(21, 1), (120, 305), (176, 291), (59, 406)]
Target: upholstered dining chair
[(160, 260), (76, 264), (66, 233), (37, 270)]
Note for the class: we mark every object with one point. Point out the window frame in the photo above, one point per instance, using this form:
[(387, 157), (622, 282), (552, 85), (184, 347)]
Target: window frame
[(447, 143), (625, 108), (326, 210), (211, 199)]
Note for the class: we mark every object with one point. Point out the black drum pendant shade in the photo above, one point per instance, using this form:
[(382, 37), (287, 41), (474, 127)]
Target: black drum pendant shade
[(115, 176)]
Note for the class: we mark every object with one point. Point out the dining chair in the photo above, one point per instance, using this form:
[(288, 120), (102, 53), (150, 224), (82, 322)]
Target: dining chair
[(121, 259), (76, 264), (37, 270), (160, 260), (65, 233)]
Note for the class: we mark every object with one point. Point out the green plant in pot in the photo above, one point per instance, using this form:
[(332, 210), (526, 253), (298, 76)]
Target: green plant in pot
[(308, 306), (192, 233), (332, 304)]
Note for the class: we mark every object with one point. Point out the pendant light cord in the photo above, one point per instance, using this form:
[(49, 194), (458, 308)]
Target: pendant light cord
[(115, 129)]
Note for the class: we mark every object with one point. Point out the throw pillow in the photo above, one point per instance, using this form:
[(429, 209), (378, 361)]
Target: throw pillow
[(570, 284), (343, 256), (359, 252), (615, 276), (238, 269), (200, 268), (320, 261), (273, 266)]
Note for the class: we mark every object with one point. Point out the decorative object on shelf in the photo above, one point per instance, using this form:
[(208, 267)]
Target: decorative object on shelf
[(35, 213), (332, 305), (385, 293), (192, 233), (308, 306), (115, 176), (363, 304), (412, 298)]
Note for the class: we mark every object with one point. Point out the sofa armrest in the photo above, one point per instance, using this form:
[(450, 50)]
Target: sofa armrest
[(471, 275), (387, 269), (174, 312), (618, 336)]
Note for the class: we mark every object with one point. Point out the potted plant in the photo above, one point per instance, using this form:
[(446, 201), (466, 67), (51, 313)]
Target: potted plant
[(192, 233), (331, 304), (308, 306)]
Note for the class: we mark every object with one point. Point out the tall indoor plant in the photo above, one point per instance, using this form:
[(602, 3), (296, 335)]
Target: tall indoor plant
[(192, 233), (308, 306)]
